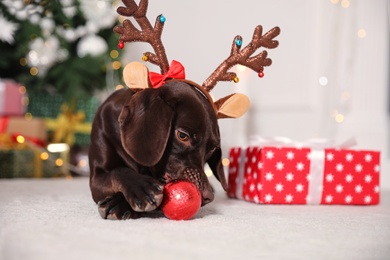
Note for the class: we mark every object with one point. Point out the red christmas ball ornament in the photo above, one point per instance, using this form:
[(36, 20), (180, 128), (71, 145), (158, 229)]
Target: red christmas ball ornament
[(261, 74), (182, 200), (121, 45)]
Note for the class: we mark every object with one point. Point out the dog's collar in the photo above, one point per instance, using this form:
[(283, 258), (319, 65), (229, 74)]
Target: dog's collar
[(201, 90)]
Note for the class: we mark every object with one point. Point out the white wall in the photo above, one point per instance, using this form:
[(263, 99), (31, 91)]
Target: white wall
[(318, 39)]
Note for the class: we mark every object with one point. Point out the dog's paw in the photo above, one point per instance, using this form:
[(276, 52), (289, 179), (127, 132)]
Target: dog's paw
[(146, 195), (116, 208)]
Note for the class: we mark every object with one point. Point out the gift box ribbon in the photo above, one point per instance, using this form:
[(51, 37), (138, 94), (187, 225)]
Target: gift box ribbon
[(67, 124), (314, 143), (3, 124), (317, 159)]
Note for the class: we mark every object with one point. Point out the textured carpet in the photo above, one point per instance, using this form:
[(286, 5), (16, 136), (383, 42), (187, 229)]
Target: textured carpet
[(57, 219)]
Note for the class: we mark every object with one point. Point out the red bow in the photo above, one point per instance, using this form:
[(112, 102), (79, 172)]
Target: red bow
[(176, 71)]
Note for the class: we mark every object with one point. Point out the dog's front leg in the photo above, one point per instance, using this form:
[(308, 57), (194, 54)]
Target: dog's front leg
[(123, 193)]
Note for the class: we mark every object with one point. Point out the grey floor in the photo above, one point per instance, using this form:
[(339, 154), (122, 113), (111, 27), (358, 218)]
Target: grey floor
[(56, 219)]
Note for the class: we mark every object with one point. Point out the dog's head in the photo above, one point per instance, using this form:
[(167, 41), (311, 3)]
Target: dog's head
[(173, 130)]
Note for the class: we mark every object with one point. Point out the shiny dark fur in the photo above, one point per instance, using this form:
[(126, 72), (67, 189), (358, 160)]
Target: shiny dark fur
[(142, 140)]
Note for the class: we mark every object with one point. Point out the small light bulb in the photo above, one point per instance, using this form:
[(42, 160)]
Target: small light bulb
[(20, 139), (345, 95), (23, 61), (345, 3), (241, 68), (59, 162), (323, 81), (119, 87), (362, 33), (34, 71), (225, 162), (44, 156), (114, 54), (339, 118), (22, 90), (116, 65), (25, 101), (208, 172), (28, 116)]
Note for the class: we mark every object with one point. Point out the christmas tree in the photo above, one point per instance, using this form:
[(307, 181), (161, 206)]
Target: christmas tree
[(64, 46)]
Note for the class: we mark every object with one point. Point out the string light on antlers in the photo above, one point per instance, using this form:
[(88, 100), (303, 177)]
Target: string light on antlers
[(242, 56), (261, 73), (162, 19), (147, 33), (239, 42)]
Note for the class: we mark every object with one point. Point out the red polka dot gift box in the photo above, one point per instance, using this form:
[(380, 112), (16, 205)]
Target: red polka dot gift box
[(273, 175)]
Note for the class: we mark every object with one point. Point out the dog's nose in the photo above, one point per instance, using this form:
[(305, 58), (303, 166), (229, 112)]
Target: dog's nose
[(207, 196)]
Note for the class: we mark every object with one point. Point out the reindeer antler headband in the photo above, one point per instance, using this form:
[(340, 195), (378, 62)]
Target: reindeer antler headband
[(136, 75)]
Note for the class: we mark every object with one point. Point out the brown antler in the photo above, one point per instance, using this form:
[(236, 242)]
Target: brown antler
[(238, 56), (152, 35)]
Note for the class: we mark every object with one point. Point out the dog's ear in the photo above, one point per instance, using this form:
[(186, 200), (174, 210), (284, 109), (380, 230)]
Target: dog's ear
[(232, 106), (136, 75), (215, 163), (145, 125)]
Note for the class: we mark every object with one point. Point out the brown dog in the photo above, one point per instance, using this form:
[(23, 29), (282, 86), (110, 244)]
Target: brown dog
[(141, 140), (148, 135)]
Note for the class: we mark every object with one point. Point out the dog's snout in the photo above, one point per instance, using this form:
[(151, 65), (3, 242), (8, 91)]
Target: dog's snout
[(200, 180), (207, 196)]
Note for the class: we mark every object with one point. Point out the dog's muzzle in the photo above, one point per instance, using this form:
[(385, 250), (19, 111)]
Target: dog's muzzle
[(200, 180)]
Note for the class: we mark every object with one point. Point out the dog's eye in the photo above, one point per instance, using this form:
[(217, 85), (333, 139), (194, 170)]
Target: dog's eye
[(182, 136)]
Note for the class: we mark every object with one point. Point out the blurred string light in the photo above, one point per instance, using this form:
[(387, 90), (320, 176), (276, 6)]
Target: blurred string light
[(241, 68), (343, 3), (20, 139), (28, 116), (208, 172), (34, 71), (339, 118), (59, 162), (82, 163), (361, 33), (121, 19), (25, 101), (23, 61), (44, 156), (225, 161), (22, 90), (115, 6), (119, 86), (116, 65), (114, 54), (323, 81), (58, 147), (345, 96)]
